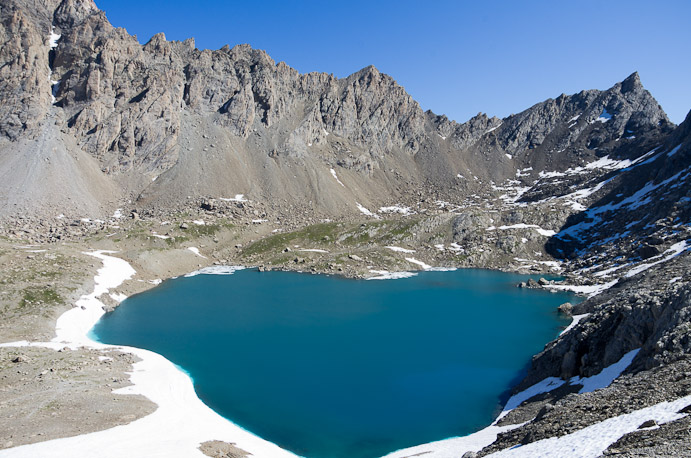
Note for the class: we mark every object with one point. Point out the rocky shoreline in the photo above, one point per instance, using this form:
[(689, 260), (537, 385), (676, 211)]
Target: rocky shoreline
[(153, 264)]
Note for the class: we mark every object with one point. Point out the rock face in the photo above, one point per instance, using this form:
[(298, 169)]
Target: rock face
[(216, 123)]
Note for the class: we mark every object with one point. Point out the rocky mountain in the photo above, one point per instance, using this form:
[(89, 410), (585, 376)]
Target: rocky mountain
[(594, 185), (153, 124)]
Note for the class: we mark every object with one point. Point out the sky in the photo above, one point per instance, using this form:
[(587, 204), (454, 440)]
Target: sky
[(457, 58)]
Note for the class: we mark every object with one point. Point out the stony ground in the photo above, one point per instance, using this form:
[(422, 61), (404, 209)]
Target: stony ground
[(42, 280)]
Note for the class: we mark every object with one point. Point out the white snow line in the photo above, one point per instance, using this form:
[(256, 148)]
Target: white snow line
[(674, 250), (333, 173), (199, 222), (606, 376), (215, 270), (544, 386), (457, 446), (398, 249), (237, 198), (590, 290), (574, 322), (179, 424), (365, 211), (313, 250), (53, 40), (591, 441), (493, 128), (195, 250), (405, 211), (419, 263), (541, 231), (386, 275)]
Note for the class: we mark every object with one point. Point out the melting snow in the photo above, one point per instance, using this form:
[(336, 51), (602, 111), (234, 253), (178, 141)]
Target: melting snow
[(576, 319), (673, 251), (578, 442), (400, 250), (237, 198), (419, 263), (591, 441), (606, 376), (215, 270), (333, 173), (541, 231), (590, 290), (386, 275), (406, 211), (54, 37), (365, 211), (493, 128), (196, 251)]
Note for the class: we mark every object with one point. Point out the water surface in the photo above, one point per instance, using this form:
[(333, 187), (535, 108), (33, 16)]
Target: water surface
[(333, 368)]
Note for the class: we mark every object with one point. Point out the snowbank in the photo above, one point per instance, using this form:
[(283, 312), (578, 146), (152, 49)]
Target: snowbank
[(181, 422)]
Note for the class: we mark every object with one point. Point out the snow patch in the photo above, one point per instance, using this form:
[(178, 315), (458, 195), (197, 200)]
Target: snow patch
[(591, 441), (118, 297), (541, 231), (405, 211), (673, 251), (365, 211), (237, 198), (590, 290), (419, 263), (493, 128), (333, 174), (216, 270), (399, 249), (575, 320), (53, 40), (606, 376), (386, 275), (195, 250)]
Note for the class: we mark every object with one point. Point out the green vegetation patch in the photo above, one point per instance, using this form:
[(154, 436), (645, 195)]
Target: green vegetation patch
[(326, 235), (39, 295)]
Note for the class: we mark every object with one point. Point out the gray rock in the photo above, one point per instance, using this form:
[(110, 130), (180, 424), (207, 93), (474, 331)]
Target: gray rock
[(566, 308)]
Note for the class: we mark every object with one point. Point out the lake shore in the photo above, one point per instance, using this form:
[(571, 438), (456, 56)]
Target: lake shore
[(152, 377), (181, 421)]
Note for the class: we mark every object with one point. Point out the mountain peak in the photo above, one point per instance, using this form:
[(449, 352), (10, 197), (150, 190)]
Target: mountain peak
[(631, 83)]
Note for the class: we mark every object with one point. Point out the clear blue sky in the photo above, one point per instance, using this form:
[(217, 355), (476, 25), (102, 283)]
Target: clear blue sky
[(454, 57)]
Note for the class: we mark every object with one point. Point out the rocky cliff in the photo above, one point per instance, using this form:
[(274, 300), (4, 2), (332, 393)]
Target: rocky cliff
[(219, 123)]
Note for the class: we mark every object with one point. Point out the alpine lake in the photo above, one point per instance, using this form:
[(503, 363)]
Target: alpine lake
[(329, 367)]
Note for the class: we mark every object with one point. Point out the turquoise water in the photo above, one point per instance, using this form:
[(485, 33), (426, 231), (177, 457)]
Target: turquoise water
[(329, 367)]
